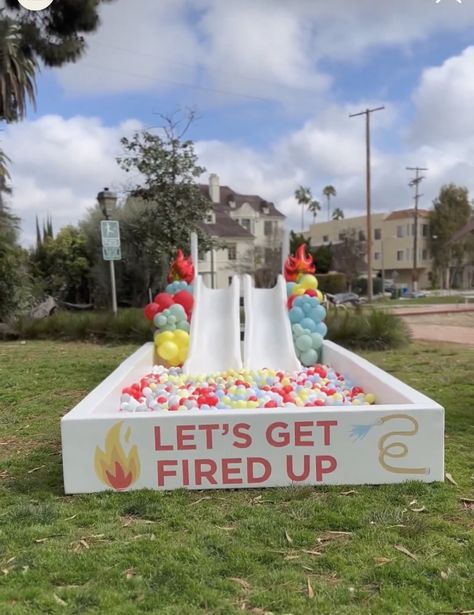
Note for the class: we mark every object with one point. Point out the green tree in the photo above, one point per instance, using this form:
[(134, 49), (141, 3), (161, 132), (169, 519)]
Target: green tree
[(17, 72), (55, 35), (451, 210), (167, 203), (328, 192), (63, 265), (337, 214), (304, 198)]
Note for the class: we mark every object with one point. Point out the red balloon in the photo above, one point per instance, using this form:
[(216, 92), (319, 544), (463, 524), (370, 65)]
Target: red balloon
[(291, 298), (310, 292), (151, 309), (184, 298), (164, 301)]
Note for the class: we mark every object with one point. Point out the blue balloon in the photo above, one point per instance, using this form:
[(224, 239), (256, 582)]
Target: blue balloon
[(309, 357), (317, 340), (306, 307), (321, 329), (289, 288), (297, 330), (307, 323), (298, 302), (296, 314), (318, 313)]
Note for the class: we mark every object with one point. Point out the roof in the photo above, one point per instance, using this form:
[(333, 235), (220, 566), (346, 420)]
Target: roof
[(463, 231), (407, 213), (225, 226), (256, 203)]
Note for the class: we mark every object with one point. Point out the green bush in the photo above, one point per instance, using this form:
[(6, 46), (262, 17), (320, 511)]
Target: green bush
[(366, 329), (332, 283), (130, 325)]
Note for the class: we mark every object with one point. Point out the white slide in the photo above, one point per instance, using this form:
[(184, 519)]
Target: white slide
[(268, 338), (214, 344)]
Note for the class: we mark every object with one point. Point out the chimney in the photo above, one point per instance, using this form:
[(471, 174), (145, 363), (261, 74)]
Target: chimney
[(214, 188)]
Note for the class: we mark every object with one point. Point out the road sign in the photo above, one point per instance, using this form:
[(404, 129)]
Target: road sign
[(111, 253), (110, 232)]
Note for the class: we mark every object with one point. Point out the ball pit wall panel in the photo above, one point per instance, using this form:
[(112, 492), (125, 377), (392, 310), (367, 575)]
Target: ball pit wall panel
[(215, 329), (399, 438), (265, 314)]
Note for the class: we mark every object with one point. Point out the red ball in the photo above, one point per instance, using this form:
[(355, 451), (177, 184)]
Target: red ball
[(164, 301), (310, 292), (151, 309), (184, 298)]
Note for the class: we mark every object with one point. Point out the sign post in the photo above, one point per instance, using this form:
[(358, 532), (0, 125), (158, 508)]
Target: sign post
[(110, 233)]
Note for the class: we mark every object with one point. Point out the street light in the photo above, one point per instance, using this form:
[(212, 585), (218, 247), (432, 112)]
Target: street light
[(107, 201)]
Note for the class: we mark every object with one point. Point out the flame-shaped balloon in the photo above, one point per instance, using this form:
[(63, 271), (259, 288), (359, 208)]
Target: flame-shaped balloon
[(298, 264), (181, 269)]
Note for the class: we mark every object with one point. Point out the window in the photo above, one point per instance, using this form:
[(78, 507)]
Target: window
[(229, 280), (377, 233), (268, 227), (361, 236), (342, 236), (424, 230), (325, 238), (399, 255), (424, 255), (376, 256), (209, 218), (400, 231), (232, 252), (245, 222), (407, 254)]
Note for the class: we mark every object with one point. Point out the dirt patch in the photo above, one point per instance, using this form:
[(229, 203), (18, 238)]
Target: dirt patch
[(463, 319)]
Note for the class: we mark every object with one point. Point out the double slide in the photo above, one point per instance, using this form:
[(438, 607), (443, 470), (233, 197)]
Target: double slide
[(215, 329)]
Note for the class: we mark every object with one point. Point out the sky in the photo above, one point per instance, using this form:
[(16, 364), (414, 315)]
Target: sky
[(273, 83)]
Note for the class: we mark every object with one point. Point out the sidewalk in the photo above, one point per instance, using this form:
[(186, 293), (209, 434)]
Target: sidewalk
[(440, 308), (437, 333)]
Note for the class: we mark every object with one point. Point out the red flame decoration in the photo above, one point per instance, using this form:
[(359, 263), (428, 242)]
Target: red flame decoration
[(181, 269), (298, 264)]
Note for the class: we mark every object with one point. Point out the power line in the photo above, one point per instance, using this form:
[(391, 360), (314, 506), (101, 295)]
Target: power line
[(367, 113), (416, 181)]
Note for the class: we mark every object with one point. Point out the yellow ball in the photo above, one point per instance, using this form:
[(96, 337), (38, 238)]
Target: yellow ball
[(181, 338), (308, 282), (164, 336), (297, 290), (168, 351)]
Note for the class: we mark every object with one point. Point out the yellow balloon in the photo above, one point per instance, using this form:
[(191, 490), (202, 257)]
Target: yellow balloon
[(308, 282), (164, 336), (168, 351), (319, 295), (182, 355), (297, 290), (181, 338)]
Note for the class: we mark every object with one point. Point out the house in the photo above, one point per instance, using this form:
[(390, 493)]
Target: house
[(461, 274), (251, 229), (393, 243)]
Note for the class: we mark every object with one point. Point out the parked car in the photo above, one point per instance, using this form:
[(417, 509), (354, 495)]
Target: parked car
[(343, 298)]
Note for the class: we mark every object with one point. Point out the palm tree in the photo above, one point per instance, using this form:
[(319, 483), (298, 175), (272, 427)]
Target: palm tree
[(337, 214), (328, 192), (17, 72), (314, 206)]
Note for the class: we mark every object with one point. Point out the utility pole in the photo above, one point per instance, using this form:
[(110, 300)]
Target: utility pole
[(416, 181), (367, 113)]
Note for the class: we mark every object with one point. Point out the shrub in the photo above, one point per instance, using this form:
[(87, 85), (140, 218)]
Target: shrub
[(367, 329), (130, 325), (332, 283)]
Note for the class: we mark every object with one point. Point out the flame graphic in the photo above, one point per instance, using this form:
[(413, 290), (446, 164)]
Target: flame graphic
[(181, 269), (113, 466), (298, 264)]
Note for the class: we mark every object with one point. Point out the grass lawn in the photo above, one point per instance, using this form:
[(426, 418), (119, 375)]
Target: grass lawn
[(297, 550)]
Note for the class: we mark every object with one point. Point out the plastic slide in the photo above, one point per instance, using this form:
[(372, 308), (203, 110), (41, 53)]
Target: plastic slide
[(268, 339), (215, 329)]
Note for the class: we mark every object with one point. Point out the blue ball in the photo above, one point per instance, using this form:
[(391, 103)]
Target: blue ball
[(296, 314), (309, 324)]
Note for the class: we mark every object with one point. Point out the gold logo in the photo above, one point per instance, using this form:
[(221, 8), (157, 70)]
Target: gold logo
[(113, 466)]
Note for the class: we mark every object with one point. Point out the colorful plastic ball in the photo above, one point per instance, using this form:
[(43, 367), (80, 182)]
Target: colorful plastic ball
[(304, 342), (296, 314), (168, 351), (150, 310), (308, 282), (309, 357)]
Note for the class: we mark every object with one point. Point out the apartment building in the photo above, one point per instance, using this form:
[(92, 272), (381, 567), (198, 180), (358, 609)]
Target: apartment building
[(251, 228), (392, 243)]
